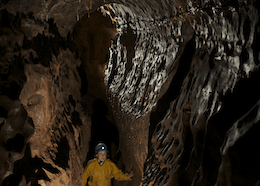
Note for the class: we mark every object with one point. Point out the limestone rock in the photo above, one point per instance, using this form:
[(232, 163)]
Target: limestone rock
[(172, 87)]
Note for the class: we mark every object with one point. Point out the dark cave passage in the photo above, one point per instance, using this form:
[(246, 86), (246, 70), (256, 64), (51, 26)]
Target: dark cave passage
[(102, 130), (93, 34)]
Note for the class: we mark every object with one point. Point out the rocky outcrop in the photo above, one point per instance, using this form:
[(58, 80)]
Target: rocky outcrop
[(171, 86), (49, 92)]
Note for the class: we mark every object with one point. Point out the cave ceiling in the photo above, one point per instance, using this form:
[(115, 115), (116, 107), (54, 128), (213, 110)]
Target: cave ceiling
[(171, 86)]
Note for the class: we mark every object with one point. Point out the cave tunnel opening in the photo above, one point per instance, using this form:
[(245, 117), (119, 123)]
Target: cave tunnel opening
[(93, 34), (102, 130)]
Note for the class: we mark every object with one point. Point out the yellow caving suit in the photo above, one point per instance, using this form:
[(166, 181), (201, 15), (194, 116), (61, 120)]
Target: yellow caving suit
[(101, 175)]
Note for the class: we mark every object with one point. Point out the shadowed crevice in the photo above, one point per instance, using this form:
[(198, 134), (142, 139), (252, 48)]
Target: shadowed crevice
[(174, 88), (33, 169)]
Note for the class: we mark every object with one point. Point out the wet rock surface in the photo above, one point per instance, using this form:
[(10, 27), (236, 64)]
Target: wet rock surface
[(171, 86)]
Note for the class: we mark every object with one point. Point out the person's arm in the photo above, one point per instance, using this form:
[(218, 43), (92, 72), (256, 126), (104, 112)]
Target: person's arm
[(86, 175), (118, 174)]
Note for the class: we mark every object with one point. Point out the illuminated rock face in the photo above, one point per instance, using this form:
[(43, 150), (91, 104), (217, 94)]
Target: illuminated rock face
[(171, 87), (42, 74)]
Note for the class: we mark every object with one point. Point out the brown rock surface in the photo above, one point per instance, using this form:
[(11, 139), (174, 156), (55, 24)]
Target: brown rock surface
[(172, 87)]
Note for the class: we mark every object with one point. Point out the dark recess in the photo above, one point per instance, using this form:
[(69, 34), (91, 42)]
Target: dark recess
[(62, 156), (31, 168), (102, 130), (174, 88), (15, 144)]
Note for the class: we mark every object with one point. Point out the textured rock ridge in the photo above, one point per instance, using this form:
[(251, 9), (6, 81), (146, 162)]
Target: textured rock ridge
[(179, 141)]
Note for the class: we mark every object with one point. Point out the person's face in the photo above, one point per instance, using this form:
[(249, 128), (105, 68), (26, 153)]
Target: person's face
[(102, 155)]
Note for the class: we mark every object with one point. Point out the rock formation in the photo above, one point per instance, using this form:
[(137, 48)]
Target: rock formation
[(172, 87)]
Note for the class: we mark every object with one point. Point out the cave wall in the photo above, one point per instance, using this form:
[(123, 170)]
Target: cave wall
[(40, 70), (175, 82)]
